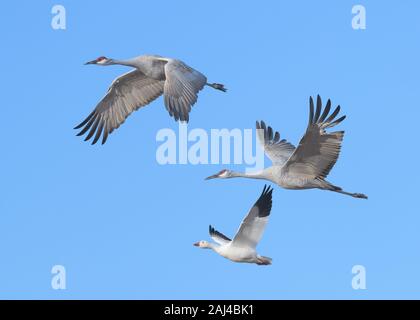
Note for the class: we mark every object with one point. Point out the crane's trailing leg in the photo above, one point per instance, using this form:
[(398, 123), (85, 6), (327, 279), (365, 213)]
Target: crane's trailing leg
[(217, 86), (322, 184), (354, 195)]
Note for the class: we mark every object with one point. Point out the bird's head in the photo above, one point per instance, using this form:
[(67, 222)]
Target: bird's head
[(202, 244), (224, 174), (102, 61)]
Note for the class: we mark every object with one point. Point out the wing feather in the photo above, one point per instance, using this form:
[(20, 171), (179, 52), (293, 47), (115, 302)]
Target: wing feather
[(279, 151), (318, 150), (181, 88), (218, 237), (126, 94), (252, 227)]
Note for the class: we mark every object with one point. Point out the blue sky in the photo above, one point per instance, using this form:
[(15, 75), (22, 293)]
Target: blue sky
[(123, 225)]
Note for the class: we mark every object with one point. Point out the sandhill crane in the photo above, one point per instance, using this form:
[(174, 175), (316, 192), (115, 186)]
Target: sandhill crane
[(152, 76), (243, 246), (306, 166)]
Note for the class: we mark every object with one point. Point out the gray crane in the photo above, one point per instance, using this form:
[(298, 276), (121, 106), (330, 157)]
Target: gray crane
[(153, 76), (304, 167)]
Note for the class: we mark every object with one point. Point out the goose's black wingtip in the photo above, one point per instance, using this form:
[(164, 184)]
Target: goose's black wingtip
[(265, 201), (267, 189)]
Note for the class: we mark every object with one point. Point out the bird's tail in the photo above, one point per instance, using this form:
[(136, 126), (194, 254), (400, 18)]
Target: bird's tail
[(264, 261), (217, 86), (328, 186)]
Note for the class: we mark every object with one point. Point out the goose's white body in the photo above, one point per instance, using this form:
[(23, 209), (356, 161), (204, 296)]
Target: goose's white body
[(238, 254), (243, 246)]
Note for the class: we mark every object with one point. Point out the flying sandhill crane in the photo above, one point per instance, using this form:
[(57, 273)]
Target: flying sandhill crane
[(243, 246), (153, 76), (306, 166)]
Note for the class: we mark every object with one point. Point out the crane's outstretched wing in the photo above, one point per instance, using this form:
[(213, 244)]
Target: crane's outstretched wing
[(318, 150), (218, 237), (252, 227), (126, 94), (279, 151), (181, 87)]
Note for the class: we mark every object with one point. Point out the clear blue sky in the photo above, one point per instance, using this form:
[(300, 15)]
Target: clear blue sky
[(123, 225)]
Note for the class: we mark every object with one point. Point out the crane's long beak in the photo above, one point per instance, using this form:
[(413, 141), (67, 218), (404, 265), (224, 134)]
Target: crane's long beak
[(197, 244), (91, 62), (212, 177)]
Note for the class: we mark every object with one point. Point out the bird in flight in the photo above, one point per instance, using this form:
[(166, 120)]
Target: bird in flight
[(153, 76), (243, 246), (307, 165)]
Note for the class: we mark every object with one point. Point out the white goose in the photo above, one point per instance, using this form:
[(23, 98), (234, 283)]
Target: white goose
[(243, 246)]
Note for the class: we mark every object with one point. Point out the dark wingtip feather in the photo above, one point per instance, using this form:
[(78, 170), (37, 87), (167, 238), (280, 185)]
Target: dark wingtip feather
[(264, 203), (334, 114), (332, 124), (318, 108), (265, 187), (269, 133), (262, 124), (326, 111), (93, 129), (81, 124), (214, 232), (318, 101), (87, 127), (98, 132), (342, 118), (311, 110), (105, 136)]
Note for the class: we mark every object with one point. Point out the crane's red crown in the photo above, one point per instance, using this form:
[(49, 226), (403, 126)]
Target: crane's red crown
[(101, 58)]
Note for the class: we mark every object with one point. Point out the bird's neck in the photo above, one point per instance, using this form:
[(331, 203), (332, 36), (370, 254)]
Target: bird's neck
[(261, 174), (128, 62), (212, 246)]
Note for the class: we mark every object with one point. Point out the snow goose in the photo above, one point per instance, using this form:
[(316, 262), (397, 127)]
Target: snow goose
[(243, 246)]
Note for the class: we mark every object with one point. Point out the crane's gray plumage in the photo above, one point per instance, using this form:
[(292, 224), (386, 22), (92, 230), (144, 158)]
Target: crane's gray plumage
[(243, 246), (278, 151), (181, 88), (152, 77), (318, 150), (126, 94), (307, 165)]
